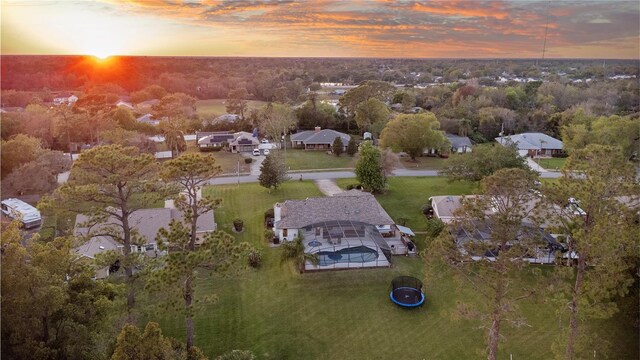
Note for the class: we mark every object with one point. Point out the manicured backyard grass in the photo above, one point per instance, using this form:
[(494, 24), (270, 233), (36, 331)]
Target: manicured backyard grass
[(217, 106), (552, 163), (298, 159), (279, 314), (405, 196), (423, 163)]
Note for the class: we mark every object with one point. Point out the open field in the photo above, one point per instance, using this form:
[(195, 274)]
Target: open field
[(279, 314), (423, 163), (298, 159), (217, 107), (554, 164)]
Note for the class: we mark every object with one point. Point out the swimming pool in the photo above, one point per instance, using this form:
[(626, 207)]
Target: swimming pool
[(356, 254)]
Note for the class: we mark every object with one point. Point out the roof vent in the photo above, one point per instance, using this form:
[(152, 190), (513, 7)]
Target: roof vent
[(101, 247)]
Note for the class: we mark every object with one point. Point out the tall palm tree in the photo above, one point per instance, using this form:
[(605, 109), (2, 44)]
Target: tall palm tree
[(294, 251), (464, 127)]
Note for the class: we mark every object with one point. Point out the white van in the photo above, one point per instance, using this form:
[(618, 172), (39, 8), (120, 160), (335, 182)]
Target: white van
[(256, 152), (20, 210)]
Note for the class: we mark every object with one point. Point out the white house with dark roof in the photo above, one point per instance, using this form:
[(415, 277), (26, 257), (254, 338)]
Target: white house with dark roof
[(64, 98), (348, 230), (318, 139), (533, 144), (148, 119)]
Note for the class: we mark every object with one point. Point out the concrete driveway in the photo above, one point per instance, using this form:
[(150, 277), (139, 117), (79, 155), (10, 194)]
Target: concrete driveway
[(328, 187)]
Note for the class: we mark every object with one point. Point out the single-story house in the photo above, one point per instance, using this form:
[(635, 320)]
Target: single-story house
[(213, 140), (445, 206), (348, 230), (146, 106), (243, 142), (124, 104), (64, 98), (474, 241), (459, 144), (148, 119), (231, 118), (146, 222), (318, 139), (533, 144)]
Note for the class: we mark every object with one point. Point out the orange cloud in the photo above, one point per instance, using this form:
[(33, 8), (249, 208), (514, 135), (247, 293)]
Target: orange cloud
[(463, 8)]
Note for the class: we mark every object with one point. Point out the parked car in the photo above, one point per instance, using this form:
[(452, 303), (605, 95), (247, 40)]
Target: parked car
[(264, 141), (256, 152), (266, 151)]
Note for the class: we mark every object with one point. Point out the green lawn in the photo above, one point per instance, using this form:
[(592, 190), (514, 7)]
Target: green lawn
[(217, 106), (279, 314), (423, 163), (552, 163), (298, 159), (405, 196), (229, 162)]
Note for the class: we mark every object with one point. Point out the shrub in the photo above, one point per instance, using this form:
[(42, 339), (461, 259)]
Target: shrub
[(248, 160), (434, 227), (561, 154), (426, 209), (269, 214), (238, 224), (255, 258), (354, 186), (269, 235)]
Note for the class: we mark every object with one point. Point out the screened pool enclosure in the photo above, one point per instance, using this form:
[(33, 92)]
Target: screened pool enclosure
[(345, 245)]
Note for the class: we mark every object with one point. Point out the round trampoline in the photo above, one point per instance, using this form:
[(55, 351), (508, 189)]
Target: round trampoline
[(406, 291)]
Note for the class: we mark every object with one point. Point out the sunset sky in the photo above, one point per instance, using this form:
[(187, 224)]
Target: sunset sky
[(433, 29)]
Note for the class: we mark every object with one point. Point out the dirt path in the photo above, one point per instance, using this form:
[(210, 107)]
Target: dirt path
[(328, 187)]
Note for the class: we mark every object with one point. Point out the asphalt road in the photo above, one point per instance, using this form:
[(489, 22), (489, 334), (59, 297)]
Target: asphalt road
[(342, 175)]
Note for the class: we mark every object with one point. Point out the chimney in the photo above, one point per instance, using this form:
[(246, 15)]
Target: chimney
[(277, 213), (317, 129)]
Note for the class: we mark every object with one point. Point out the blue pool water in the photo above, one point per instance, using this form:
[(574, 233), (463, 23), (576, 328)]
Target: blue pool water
[(357, 254)]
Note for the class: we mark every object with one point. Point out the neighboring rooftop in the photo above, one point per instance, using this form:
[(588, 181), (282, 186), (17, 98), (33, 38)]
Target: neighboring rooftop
[(458, 141), (147, 222), (531, 141), (349, 206), (325, 136)]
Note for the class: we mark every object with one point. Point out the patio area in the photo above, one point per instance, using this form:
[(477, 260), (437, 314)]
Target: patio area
[(345, 245)]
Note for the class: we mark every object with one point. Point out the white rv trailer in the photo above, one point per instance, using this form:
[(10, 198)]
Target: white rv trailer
[(20, 210)]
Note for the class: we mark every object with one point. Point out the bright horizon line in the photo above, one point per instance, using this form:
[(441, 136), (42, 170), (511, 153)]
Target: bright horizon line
[(326, 57)]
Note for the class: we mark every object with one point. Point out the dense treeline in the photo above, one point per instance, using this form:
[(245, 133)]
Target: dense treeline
[(264, 78)]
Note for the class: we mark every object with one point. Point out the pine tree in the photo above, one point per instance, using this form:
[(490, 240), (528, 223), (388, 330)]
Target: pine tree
[(369, 170), (273, 171), (337, 147), (604, 236), (352, 147), (501, 212), (191, 172), (112, 182)]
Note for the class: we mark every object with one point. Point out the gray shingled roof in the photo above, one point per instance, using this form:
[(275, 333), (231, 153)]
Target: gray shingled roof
[(148, 221), (458, 141), (326, 136), (362, 207), (531, 141)]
